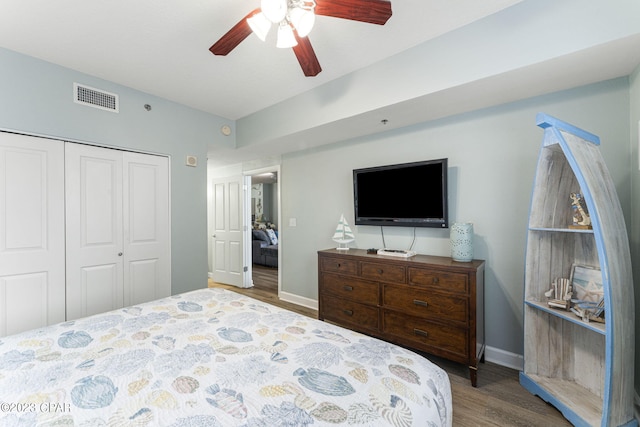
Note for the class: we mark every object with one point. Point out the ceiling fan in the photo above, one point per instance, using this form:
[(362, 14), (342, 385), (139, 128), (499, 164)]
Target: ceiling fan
[(295, 19)]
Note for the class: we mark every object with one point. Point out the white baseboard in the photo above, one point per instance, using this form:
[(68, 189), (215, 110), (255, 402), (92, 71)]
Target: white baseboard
[(504, 358), (297, 299)]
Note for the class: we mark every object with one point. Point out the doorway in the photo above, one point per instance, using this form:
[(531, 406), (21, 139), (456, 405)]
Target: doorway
[(265, 229)]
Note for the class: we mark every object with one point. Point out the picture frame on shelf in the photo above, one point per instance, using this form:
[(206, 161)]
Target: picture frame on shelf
[(586, 282), (588, 301)]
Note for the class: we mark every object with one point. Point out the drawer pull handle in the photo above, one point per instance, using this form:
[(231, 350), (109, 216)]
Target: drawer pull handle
[(420, 332), (380, 271), (348, 312), (347, 288), (435, 280), (418, 302), (338, 265)]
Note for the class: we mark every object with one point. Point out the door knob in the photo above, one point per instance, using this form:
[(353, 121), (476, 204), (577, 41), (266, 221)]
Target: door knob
[(119, 253)]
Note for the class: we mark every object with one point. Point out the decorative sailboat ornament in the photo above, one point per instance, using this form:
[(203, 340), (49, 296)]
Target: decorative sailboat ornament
[(343, 234)]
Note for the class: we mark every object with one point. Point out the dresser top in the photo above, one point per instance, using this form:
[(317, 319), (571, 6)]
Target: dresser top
[(437, 261)]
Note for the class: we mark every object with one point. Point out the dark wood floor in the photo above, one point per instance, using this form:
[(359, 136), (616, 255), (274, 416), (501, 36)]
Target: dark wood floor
[(499, 399), (265, 288), (265, 278)]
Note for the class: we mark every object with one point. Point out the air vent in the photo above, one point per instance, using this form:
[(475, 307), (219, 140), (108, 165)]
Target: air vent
[(93, 97)]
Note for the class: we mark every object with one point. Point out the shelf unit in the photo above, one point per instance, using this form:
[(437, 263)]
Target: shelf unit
[(585, 369)]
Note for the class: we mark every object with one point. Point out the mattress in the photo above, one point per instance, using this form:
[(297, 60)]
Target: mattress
[(213, 357)]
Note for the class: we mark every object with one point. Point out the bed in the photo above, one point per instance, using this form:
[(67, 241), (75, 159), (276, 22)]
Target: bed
[(211, 358)]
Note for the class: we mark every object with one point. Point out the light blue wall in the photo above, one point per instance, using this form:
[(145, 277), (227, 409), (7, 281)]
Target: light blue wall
[(36, 97), (492, 157)]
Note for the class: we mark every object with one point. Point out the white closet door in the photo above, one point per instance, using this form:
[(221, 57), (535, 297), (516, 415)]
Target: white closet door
[(32, 282), (147, 272), (94, 230)]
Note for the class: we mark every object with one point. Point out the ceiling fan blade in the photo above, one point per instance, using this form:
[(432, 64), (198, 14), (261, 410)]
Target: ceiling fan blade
[(306, 57), (370, 11), (234, 36)]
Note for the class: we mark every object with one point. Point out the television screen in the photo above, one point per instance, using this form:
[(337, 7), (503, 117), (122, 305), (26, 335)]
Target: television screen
[(408, 194)]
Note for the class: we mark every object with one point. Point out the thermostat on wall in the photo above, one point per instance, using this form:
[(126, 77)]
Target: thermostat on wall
[(191, 161)]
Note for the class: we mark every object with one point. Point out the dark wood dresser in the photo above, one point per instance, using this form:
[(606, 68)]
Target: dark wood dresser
[(427, 303)]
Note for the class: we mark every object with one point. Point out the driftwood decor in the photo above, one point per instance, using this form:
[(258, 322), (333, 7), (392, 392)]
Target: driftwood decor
[(560, 294), (589, 311), (582, 294)]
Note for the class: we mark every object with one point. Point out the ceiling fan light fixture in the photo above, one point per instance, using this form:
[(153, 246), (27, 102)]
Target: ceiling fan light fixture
[(260, 25), (302, 20), (286, 38), (294, 25), (274, 10)]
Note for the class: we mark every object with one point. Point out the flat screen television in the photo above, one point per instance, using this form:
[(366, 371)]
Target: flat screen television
[(407, 194)]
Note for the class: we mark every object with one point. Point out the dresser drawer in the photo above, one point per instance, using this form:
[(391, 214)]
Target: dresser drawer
[(383, 272), (342, 311), (424, 303), (338, 265), (444, 280), (350, 288), (427, 336)]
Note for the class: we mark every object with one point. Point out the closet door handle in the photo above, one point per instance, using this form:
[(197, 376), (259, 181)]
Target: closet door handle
[(119, 253)]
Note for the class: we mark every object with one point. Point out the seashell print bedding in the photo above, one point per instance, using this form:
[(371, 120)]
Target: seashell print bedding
[(212, 357)]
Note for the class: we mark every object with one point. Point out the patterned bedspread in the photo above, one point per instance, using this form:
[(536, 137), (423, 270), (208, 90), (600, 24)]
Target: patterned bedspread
[(214, 358)]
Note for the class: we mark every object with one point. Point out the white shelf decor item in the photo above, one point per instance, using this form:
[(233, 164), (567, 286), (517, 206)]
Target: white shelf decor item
[(343, 235), (461, 236), (584, 368)]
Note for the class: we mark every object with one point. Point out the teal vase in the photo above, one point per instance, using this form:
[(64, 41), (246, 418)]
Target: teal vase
[(461, 235)]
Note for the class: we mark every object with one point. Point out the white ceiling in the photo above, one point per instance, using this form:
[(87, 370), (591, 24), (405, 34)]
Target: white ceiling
[(161, 46)]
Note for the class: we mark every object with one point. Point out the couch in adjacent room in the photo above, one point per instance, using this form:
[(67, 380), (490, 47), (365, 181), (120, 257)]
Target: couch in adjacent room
[(264, 249)]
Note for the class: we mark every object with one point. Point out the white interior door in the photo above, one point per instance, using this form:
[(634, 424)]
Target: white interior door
[(228, 230), (32, 282), (94, 226), (147, 264)]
